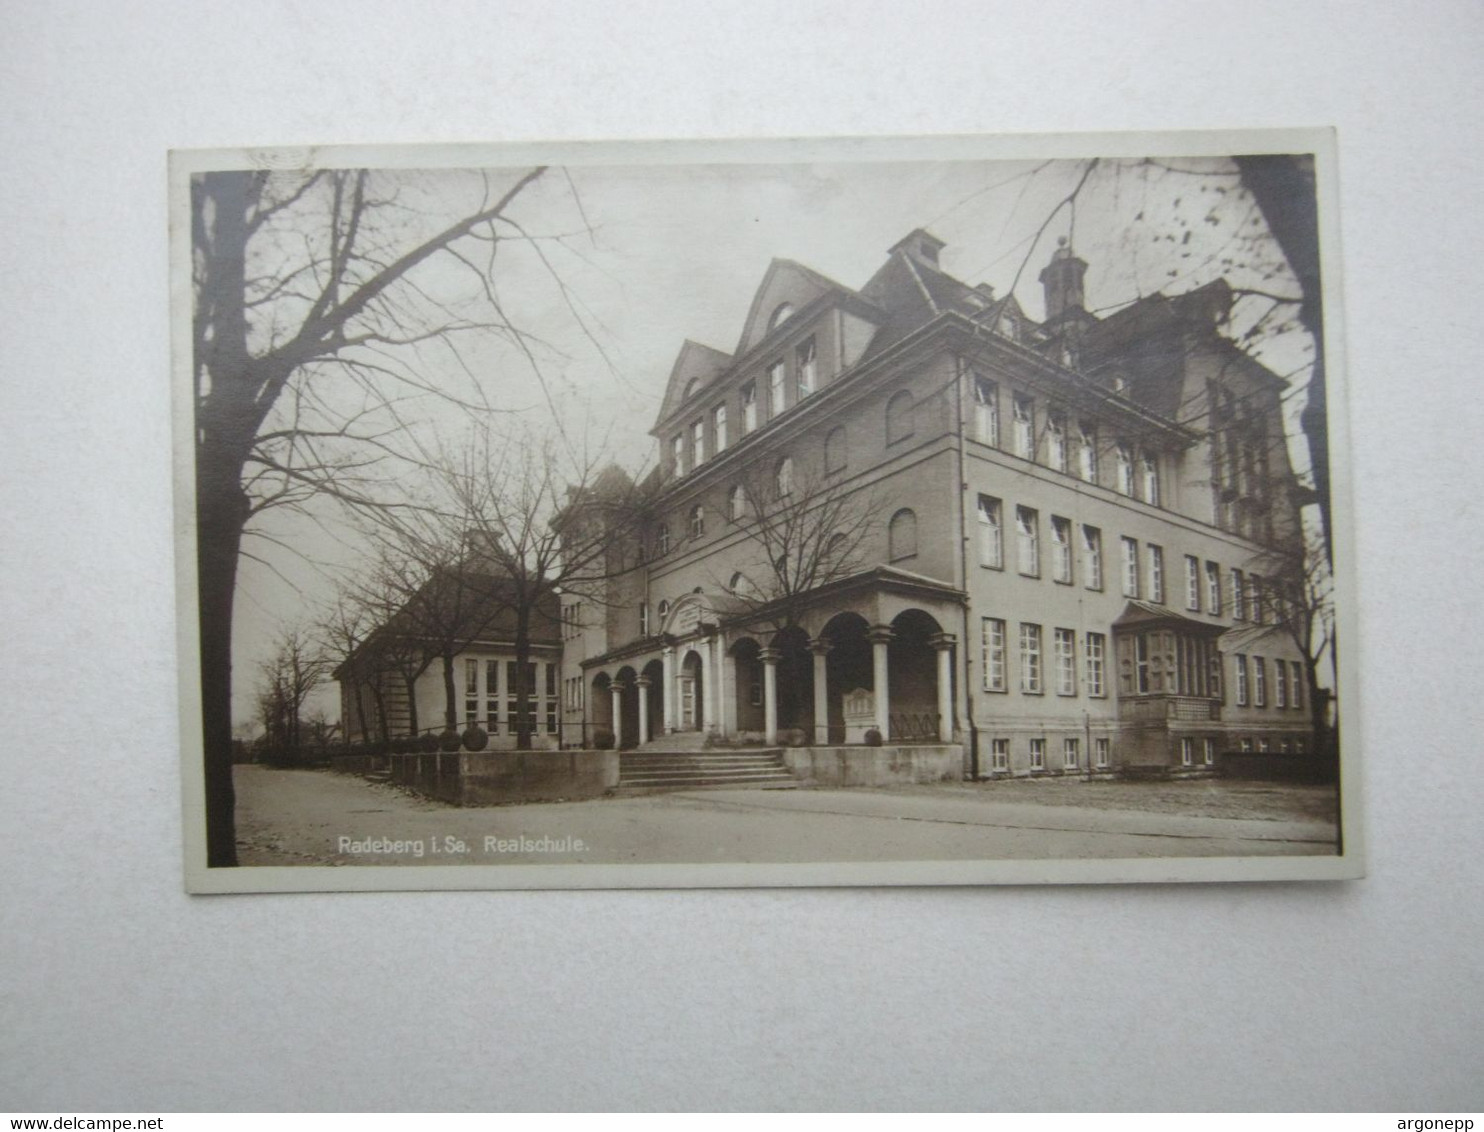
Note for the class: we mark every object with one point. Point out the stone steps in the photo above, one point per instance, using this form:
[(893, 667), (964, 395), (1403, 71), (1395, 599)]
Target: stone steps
[(681, 770)]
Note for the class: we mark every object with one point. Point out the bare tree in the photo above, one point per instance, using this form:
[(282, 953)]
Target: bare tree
[(310, 294), (296, 669), (805, 531)]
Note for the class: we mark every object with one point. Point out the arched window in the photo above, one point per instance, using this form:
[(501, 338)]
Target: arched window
[(835, 454), (899, 417), (784, 477), (664, 611), (901, 536), (697, 521), (736, 503), (690, 388), (781, 314), (662, 540)]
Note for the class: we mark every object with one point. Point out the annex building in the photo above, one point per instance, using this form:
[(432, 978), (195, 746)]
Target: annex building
[(909, 511)]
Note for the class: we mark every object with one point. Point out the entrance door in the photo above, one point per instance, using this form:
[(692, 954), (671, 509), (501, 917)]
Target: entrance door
[(688, 704)]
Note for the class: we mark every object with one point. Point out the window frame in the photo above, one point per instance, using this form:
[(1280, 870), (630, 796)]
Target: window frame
[(1027, 541), (1063, 569), (1032, 677), (895, 553), (993, 647), (1065, 649), (1095, 649), (991, 516)]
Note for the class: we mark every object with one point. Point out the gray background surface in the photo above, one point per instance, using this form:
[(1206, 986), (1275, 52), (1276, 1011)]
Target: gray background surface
[(119, 992)]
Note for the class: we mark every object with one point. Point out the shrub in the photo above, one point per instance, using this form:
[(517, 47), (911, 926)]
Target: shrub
[(793, 737), (449, 740), (602, 740), (475, 737), (427, 742), (873, 738)]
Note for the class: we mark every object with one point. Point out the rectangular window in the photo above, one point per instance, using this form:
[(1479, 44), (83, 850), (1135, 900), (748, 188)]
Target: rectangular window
[(1241, 663), (697, 443), (1092, 557), (719, 426), (994, 654), (1066, 662), (1263, 746), (1151, 478), (1280, 683), (1061, 550), (1056, 441), (987, 411), (805, 359), (1038, 754), (775, 389), (1156, 573), (1027, 524), (1210, 753), (1213, 588), (1254, 598), (999, 756), (1141, 664), (1259, 682), (1097, 647), (1295, 685), (471, 692), (1101, 752), (1192, 583), (1239, 597), (1187, 752), (991, 540), (1071, 754), (1130, 567), (644, 618), (1123, 459), (749, 407), (1087, 451), (1025, 427), (1030, 658), (492, 696), (677, 453)]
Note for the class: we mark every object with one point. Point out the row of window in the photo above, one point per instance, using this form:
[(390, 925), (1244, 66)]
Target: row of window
[(1287, 685), (1071, 754), (1070, 447), (493, 704), (994, 646), (692, 441), (1246, 589)]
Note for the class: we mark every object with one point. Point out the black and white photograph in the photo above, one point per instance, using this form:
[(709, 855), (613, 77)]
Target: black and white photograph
[(914, 511)]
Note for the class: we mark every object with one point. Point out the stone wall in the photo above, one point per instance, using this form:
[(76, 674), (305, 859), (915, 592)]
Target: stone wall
[(876, 766)]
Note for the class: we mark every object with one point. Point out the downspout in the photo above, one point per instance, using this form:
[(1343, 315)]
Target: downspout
[(963, 570)]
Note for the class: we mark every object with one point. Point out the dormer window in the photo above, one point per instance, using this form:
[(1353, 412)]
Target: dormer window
[(698, 443), (677, 453), (775, 389), (749, 407), (690, 388), (806, 368), (719, 426), (781, 314)]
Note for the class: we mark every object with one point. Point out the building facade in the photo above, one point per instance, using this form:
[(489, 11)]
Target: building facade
[(910, 509)]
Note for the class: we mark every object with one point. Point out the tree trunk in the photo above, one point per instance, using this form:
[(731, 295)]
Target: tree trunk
[(221, 512), (450, 701)]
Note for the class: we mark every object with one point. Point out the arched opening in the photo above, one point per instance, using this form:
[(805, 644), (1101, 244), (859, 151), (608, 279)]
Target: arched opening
[(691, 691), (628, 699), (795, 682), (901, 536), (847, 668), (654, 700), (749, 685), (600, 708), (912, 673)]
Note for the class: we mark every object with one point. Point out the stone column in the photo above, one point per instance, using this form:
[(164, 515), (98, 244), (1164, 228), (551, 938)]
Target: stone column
[(727, 689), (667, 693), (880, 636), (707, 706), (643, 683), (943, 642), (769, 657), (820, 647), (617, 689)]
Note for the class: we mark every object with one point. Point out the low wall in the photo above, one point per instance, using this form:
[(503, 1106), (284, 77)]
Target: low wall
[(876, 766), (491, 778), (1266, 766)]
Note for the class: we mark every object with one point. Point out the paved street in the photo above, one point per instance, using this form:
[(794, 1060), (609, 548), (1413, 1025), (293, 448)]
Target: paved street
[(288, 817)]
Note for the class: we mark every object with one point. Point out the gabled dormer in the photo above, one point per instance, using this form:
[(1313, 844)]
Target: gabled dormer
[(695, 368), (787, 288)]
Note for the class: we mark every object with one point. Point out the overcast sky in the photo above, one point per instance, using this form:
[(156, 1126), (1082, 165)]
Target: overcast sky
[(649, 255)]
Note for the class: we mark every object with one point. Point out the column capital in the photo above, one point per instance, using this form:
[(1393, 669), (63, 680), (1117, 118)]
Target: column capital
[(643, 681), (819, 646), (880, 634), (770, 656), (619, 686), (942, 640)]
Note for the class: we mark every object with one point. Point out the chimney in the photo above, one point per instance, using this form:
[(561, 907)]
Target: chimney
[(1062, 279), (921, 246)]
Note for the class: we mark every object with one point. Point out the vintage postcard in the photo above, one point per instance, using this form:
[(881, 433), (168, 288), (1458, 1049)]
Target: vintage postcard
[(891, 511)]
